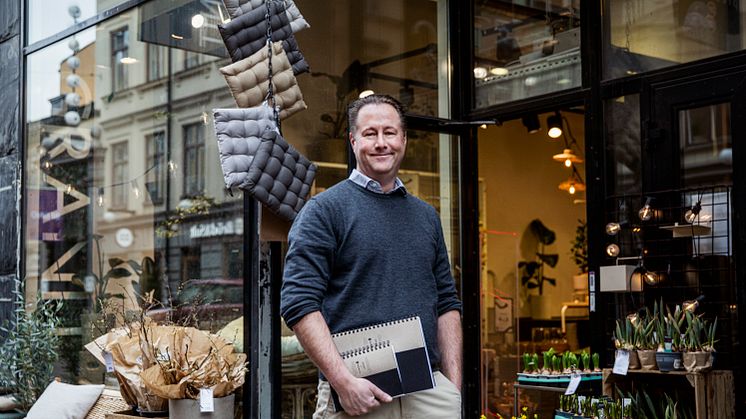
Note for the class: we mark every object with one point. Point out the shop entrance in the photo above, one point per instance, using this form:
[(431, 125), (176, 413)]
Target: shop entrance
[(534, 282)]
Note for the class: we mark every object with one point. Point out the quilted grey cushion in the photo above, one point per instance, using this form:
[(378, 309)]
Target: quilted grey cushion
[(279, 176), (238, 7), (247, 34), (238, 132), (247, 80)]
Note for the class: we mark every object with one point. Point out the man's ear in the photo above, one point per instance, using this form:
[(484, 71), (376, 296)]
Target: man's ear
[(352, 140)]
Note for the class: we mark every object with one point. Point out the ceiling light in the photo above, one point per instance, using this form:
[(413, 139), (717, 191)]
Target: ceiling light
[(532, 124), (197, 21), (128, 60), (499, 71), (554, 125), (568, 157), (365, 93), (572, 185), (177, 37), (480, 72)]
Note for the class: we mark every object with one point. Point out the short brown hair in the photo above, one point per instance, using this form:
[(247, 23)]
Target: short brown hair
[(354, 108)]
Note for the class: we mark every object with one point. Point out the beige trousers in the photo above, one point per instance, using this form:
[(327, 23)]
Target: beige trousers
[(442, 402)]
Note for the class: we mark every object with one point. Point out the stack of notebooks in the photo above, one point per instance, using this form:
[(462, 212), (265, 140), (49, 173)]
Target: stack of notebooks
[(391, 355)]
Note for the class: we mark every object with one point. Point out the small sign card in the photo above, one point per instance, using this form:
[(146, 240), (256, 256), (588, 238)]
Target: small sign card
[(573, 385), (108, 361), (621, 362), (206, 401)]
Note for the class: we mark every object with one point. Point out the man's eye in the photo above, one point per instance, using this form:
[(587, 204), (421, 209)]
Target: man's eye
[(369, 134)]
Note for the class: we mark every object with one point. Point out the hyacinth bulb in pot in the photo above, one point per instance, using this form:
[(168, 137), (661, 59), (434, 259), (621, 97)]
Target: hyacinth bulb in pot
[(668, 339), (646, 345), (698, 342), (625, 336)]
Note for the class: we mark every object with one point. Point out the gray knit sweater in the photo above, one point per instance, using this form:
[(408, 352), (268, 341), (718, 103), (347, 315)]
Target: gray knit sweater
[(363, 258)]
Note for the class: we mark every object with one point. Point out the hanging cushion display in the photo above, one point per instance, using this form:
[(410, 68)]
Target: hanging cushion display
[(238, 132), (279, 176), (238, 7), (248, 81), (257, 159), (247, 34)]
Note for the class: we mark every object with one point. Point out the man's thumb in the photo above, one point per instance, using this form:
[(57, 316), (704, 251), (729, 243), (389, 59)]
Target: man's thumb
[(380, 394)]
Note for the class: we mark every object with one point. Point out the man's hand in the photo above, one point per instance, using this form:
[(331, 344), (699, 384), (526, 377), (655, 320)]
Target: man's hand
[(359, 396)]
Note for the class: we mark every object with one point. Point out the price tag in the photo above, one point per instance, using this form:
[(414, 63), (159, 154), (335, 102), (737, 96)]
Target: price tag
[(592, 302), (573, 385), (592, 281), (206, 401), (621, 362), (626, 402), (108, 361)]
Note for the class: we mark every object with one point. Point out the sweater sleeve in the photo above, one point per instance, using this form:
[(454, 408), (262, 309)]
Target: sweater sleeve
[(447, 296), (308, 263)]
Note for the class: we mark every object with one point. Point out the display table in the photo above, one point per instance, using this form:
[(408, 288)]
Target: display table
[(554, 383), (713, 391)]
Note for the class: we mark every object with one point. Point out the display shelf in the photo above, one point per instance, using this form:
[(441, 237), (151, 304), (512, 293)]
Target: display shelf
[(713, 391), (555, 384)]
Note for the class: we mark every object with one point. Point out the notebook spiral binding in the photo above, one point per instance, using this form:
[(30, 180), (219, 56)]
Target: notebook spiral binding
[(365, 349), (375, 326)]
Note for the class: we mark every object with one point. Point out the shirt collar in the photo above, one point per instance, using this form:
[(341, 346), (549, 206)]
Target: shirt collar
[(373, 185)]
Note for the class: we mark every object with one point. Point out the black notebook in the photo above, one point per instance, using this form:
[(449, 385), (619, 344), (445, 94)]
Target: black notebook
[(406, 338), (376, 363)]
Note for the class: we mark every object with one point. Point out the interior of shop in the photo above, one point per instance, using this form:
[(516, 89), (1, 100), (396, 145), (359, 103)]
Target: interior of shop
[(533, 246)]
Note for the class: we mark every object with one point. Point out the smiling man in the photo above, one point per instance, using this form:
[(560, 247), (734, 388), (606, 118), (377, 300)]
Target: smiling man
[(366, 252)]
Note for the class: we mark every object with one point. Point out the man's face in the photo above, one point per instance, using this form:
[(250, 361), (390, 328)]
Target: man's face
[(378, 142)]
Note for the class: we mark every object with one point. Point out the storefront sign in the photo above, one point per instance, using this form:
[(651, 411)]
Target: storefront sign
[(215, 229)]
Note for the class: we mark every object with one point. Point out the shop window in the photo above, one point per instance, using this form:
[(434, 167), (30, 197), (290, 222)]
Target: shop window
[(120, 175), (155, 163), (190, 263), (120, 59), (157, 61), (524, 49), (645, 35), (194, 159), (191, 60)]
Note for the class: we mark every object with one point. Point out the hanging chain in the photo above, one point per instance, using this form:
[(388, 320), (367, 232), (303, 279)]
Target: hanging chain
[(270, 87)]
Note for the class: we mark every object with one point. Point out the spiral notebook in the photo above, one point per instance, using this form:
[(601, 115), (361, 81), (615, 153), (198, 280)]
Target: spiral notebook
[(406, 338), (376, 363)]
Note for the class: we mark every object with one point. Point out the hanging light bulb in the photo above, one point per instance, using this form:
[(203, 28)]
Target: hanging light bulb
[(100, 199), (651, 278), (613, 228), (568, 157), (571, 189), (612, 250), (692, 305), (691, 214), (135, 188), (554, 125), (646, 212), (572, 185)]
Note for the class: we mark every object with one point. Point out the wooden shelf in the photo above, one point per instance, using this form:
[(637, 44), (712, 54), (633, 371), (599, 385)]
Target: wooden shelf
[(713, 390)]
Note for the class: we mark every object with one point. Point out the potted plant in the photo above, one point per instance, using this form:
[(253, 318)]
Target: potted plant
[(579, 254), (669, 326), (696, 338), (532, 272), (625, 336), (646, 345), (30, 349)]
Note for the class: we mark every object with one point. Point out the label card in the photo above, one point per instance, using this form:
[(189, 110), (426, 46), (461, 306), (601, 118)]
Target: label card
[(206, 401), (108, 361), (573, 385), (621, 362)]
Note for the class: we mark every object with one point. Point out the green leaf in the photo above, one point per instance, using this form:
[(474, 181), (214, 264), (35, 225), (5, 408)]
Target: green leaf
[(135, 266), (551, 280), (545, 235), (114, 262), (532, 285), (117, 273), (550, 260)]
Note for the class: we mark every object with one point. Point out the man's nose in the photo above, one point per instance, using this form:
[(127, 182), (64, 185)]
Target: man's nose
[(380, 141)]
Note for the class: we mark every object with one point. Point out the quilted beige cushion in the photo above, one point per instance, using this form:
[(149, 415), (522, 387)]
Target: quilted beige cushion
[(238, 7), (247, 80)]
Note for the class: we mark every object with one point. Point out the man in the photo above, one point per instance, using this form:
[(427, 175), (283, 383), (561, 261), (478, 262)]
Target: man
[(366, 252)]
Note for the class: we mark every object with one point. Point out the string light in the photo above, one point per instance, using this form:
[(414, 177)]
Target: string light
[(100, 199), (646, 212), (612, 250), (613, 228), (135, 188)]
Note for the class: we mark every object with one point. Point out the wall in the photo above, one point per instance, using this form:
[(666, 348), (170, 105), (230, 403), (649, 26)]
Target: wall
[(10, 50), (520, 182)]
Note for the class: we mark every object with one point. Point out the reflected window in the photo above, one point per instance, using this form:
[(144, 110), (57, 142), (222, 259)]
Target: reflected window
[(648, 35), (120, 175), (191, 60), (157, 61), (194, 159), (155, 157), (706, 145), (119, 58), (524, 49), (623, 147)]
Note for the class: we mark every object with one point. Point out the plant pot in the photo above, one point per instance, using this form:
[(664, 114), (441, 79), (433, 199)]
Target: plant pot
[(634, 360), (560, 414), (647, 359), (699, 361), (189, 408), (668, 361)]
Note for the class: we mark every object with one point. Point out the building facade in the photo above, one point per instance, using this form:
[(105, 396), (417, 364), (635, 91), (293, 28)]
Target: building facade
[(111, 185)]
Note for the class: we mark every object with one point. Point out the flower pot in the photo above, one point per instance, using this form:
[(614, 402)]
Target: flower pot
[(647, 359), (634, 361), (668, 361), (699, 361), (189, 408)]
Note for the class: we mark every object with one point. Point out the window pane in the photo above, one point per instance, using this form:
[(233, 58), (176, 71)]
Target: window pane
[(646, 35), (623, 147), (46, 18), (525, 48)]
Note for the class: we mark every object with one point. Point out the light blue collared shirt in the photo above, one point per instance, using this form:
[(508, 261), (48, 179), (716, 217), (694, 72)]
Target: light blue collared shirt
[(373, 185)]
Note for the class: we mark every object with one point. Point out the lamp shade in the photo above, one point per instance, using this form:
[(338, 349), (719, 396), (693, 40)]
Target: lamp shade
[(567, 156)]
